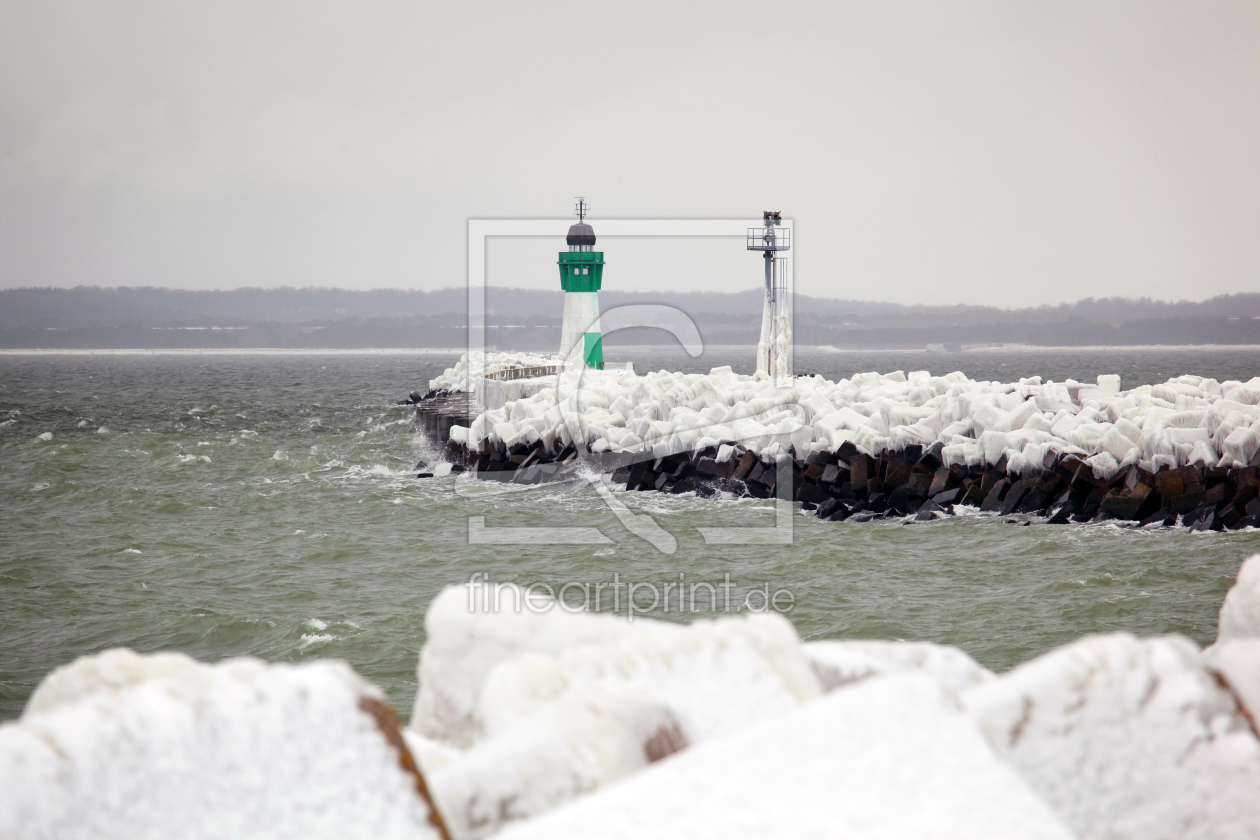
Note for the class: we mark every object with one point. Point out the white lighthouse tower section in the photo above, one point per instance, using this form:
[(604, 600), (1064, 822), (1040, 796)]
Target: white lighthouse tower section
[(581, 316)]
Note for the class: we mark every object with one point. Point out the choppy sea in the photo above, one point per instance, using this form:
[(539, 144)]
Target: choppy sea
[(266, 505)]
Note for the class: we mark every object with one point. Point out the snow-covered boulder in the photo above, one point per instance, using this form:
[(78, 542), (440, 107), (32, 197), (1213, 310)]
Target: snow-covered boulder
[(891, 757), (1240, 611), (553, 705), (1127, 738), (127, 746), (1237, 663), (568, 747), (839, 664), (471, 629), (715, 676)]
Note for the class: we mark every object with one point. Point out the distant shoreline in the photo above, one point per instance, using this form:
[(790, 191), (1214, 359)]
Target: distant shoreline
[(440, 351)]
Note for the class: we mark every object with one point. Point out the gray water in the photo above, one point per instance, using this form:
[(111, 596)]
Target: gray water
[(228, 505)]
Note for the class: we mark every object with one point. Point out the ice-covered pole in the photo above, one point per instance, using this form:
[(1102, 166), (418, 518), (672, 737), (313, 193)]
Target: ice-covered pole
[(772, 347)]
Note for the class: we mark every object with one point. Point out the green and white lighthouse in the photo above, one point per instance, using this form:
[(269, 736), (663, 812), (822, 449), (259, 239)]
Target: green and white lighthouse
[(581, 273)]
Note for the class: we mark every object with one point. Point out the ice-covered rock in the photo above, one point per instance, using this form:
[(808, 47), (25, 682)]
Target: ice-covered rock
[(1240, 611), (471, 629), (123, 746), (1184, 421), (568, 747), (483, 667), (1127, 738), (839, 664), (714, 676), (1237, 663), (888, 758), (554, 704)]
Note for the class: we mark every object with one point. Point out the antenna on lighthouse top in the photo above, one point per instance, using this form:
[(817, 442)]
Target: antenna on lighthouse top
[(581, 208)]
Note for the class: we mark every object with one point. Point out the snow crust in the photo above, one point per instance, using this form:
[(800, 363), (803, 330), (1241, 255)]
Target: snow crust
[(536, 721), (888, 758), (549, 706), (1240, 611), (1237, 663), (1185, 420), (568, 747), (1127, 738), (127, 746), (469, 632), (838, 664)]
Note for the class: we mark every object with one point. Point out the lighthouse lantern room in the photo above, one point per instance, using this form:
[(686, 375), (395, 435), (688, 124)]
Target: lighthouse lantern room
[(581, 273)]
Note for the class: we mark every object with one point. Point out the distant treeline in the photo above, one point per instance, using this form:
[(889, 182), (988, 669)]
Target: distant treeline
[(96, 318)]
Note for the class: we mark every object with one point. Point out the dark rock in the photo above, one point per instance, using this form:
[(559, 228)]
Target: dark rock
[(860, 470), (1013, 496), (993, 500), (974, 496), (1246, 492), (947, 497), (1195, 515), (1186, 502), (424, 475), (877, 502), (901, 501), (839, 514), (942, 480), (863, 516), (928, 511), (898, 474), (1218, 494), (811, 493), (745, 465), (829, 474), (456, 469), (1252, 508), (1060, 516), (1127, 505), (1207, 523), (1247, 522), (847, 450), (828, 507), (638, 472)]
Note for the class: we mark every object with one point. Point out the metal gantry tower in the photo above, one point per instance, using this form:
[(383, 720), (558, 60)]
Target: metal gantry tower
[(776, 326), (581, 275)]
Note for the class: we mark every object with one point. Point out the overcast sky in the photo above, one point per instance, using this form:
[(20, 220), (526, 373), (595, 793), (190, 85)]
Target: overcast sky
[(1008, 153)]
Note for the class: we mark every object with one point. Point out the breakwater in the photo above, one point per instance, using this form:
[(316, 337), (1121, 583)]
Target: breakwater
[(848, 484), (1186, 451)]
